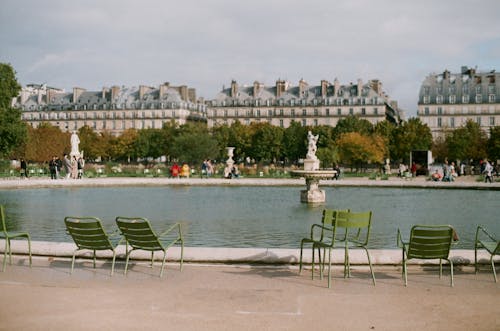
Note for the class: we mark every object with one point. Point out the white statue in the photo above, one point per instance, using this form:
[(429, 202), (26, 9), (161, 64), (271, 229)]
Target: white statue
[(311, 146), (75, 141)]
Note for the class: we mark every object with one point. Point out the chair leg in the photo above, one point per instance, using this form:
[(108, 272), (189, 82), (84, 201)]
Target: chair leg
[(163, 263), (312, 264), (405, 270), (347, 272), (300, 259), (73, 261), (94, 258), (29, 248), (440, 268), (113, 263), (493, 266), (451, 271), (10, 252), (152, 258), (182, 254), (321, 263), (126, 262), (371, 267), (329, 267), (475, 259), (5, 252)]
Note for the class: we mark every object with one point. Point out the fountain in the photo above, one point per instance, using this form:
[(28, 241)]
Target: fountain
[(313, 194)]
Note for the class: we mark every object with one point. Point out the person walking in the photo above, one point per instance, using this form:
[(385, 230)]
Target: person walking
[(53, 168), (488, 171)]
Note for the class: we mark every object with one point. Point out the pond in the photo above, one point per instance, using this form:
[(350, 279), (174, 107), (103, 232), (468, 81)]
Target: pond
[(220, 216)]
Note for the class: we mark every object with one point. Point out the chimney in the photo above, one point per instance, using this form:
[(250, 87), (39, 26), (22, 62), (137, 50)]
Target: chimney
[(77, 91), (163, 90), (446, 75), (376, 85), (192, 94), (280, 87), (359, 87), (336, 86), (183, 90), (104, 91), (115, 90), (24, 96), (234, 89), (50, 95), (256, 88), (302, 87), (324, 88), (39, 98), (143, 89)]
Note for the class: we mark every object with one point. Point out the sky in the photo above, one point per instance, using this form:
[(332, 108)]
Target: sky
[(205, 44)]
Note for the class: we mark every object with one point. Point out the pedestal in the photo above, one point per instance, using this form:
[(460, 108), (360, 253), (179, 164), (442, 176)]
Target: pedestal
[(313, 195)]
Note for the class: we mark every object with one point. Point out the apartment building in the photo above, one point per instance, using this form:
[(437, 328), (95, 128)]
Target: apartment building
[(448, 100)]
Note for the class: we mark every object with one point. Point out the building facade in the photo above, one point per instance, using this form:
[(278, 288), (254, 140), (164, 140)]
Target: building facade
[(281, 104), (114, 109), (448, 100)]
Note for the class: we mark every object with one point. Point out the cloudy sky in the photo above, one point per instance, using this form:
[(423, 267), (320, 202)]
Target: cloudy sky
[(206, 44)]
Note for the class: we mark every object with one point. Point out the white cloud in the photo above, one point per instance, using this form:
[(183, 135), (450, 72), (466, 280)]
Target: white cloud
[(206, 44)]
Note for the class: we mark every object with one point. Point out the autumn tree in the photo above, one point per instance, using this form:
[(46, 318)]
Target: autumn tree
[(357, 149), (46, 141), (352, 123)]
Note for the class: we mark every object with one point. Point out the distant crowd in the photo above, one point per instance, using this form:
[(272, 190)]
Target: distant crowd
[(73, 167)]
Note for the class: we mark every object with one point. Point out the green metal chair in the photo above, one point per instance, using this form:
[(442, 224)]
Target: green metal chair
[(318, 232), (350, 230), (8, 235), (428, 242), (88, 233), (140, 235), (490, 244)]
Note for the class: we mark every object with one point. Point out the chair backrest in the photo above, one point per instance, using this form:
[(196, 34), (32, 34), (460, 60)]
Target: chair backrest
[(87, 233), (329, 216), (139, 233), (356, 225), (4, 226), (430, 241)]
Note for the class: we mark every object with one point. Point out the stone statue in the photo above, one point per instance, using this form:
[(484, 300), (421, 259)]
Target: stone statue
[(311, 146), (75, 141)]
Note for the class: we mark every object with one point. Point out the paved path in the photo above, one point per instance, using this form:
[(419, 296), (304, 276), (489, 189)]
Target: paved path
[(243, 297)]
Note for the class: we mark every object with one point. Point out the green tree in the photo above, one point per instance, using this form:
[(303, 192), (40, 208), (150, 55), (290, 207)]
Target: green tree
[(266, 142), (150, 143), (494, 143), (124, 146), (13, 131), (467, 142), (295, 142), (90, 143), (194, 143), (412, 135)]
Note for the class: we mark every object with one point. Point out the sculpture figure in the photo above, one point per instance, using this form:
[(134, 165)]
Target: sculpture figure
[(75, 141), (311, 146)]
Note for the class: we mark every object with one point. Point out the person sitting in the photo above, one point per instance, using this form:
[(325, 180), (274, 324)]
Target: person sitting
[(436, 177)]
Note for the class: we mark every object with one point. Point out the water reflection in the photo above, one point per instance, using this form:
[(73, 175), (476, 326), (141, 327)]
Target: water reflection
[(249, 216)]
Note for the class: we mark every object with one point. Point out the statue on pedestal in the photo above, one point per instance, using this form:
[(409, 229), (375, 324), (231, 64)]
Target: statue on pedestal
[(75, 141), (311, 146)]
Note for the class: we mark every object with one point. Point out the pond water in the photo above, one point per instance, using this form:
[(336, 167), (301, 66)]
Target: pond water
[(222, 216)]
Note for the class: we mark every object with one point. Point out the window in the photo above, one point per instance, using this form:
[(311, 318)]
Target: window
[(427, 90), (363, 111), (440, 111), (478, 120), (327, 111), (281, 123), (452, 122), (258, 112), (236, 113), (269, 113), (492, 121), (478, 89), (426, 111), (315, 112), (304, 112), (439, 122), (292, 112), (304, 122), (479, 98), (315, 122), (339, 111), (491, 98), (465, 98), (453, 98), (375, 111), (281, 112), (439, 99), (491, 89), (427, 99), (351, 111)]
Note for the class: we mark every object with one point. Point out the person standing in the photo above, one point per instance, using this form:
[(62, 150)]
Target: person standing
[(67, 166), (53, 168), (74, 167), (24, 168), (80, 165)]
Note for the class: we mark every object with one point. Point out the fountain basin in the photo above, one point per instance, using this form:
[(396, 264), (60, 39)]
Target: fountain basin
[(313, 194)]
